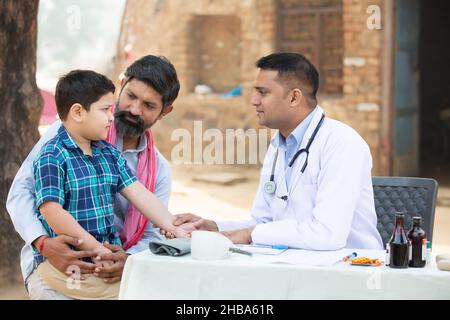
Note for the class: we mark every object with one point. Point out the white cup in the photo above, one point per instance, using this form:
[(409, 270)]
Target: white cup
[(207, 245)]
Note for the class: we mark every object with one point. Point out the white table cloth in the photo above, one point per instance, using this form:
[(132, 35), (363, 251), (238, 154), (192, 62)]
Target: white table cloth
[(148, 276)]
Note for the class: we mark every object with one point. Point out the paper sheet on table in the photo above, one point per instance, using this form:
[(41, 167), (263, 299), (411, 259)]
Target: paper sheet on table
[(307, 257)]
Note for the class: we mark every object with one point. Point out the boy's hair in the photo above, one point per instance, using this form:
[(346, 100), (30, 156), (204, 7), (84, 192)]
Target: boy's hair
[(293, 69), (80, 86), (158, 73)]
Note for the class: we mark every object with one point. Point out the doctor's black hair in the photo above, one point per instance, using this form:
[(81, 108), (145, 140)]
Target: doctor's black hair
[(158, 73), (80, 86), (294, 66)]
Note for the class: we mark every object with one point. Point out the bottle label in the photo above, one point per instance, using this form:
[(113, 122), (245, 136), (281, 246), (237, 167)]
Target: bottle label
[(410, 250), (388, 254), (424, 249)]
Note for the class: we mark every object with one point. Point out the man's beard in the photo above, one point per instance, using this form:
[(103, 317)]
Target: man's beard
[(128, 128)]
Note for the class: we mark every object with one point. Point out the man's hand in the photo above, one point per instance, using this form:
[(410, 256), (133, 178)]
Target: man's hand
[(111, 273), (198, 222), (240, 236), (62, 257)]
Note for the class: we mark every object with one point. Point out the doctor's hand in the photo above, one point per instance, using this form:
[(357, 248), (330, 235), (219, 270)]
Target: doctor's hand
[(239, 236), (198, 222)]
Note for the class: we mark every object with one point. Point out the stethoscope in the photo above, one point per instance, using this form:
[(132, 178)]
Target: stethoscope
[(270, 187)]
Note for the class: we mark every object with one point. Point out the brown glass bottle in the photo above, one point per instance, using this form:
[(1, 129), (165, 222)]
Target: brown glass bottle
[(398, 244), (418, 239)]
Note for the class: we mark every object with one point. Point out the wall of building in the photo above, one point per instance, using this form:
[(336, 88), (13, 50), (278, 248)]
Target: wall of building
[(362, 75), (200, 38), (209, 42), (315, 30)]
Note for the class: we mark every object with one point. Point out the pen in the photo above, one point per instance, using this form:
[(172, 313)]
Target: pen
[(279, 247), (350, 256)]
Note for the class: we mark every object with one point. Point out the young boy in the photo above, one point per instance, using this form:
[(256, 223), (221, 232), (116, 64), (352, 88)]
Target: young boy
[(77, 176)]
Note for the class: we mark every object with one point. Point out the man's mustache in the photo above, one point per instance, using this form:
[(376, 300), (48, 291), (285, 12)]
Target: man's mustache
[(129, 124), (126, 116)]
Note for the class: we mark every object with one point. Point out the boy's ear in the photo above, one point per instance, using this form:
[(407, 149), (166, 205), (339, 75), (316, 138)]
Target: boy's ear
[(76, 112)]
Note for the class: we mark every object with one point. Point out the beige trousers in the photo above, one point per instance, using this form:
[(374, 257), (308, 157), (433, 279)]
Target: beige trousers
[(91, 288)]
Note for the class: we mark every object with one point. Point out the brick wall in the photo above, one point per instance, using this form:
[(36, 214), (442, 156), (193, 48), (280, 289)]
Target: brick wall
[(350, 93), (362, 74), (216, 41), (314, 28), (210, 42)]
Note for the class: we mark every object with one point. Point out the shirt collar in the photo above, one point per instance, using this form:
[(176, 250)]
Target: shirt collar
[(66, 138), (141, 146), (69, 143), (297, 134)]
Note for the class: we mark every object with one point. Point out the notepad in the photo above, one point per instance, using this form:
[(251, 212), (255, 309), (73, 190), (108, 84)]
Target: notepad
[(261, 249), (311, 257)]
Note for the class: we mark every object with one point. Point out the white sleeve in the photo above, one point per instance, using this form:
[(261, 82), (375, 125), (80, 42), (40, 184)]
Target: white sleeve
[(344, 166), (226, 225), (20, 203)]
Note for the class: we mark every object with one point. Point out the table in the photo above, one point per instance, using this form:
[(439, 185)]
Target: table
[(148, 276)]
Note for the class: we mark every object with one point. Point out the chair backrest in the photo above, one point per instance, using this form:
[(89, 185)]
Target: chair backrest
[(413, 196)]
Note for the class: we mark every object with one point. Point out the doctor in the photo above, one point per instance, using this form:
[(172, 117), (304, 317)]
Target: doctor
[(315, 190)]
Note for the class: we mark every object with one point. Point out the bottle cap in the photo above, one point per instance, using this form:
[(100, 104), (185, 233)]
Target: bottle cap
[(419, 219), (400, 214), (428, 245)]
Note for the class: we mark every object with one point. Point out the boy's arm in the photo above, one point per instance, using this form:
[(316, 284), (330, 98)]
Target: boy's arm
[(20, 203), (50, 175), (62, 222), (150, 206), (146, 202)]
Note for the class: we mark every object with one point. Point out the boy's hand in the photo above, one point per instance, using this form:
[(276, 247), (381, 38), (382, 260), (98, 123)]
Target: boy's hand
[(102, 262), (101, 249), (198, 222), (180, 219), (58, 252), (185, 230), (111, 273)]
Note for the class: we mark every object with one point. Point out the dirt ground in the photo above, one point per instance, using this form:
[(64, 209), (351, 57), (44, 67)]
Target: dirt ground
[(212, 200)]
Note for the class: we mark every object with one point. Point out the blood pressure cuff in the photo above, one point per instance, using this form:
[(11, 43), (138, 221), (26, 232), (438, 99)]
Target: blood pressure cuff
[(171, 247)]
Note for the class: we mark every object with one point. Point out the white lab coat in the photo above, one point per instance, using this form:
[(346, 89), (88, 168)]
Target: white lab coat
[(330, 206)]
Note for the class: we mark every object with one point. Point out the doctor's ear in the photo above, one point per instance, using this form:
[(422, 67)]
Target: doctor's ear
[(296, 96)]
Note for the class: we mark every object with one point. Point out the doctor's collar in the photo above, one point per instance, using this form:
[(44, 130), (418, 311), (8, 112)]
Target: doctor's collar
[(298, 133)]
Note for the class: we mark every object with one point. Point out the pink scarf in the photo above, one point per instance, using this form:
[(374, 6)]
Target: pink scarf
[(135, 222)]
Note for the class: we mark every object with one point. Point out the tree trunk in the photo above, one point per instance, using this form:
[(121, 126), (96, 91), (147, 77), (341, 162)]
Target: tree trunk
[(20, 109)]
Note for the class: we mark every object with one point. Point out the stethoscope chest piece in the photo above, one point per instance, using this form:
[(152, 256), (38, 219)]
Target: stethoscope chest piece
[(270, 187)]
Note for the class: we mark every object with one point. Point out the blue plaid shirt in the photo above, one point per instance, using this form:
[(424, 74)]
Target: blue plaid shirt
[(84, 185)]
